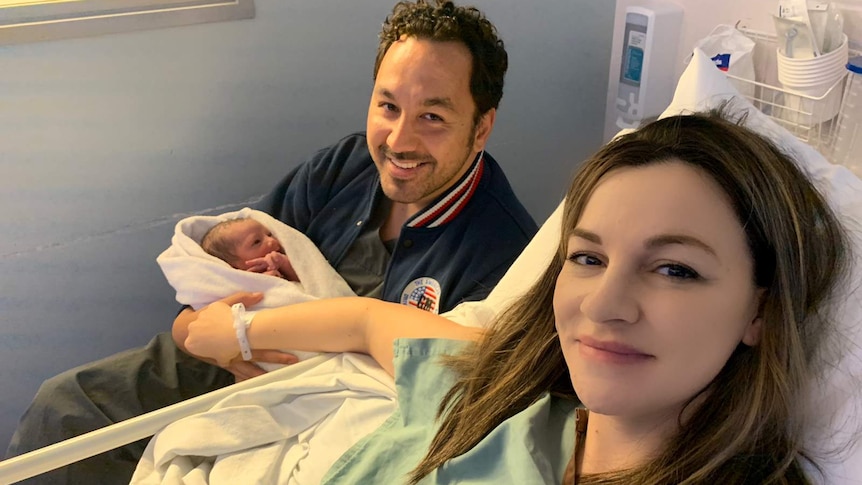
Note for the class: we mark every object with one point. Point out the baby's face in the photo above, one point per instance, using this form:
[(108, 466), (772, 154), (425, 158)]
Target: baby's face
[(252, 240)]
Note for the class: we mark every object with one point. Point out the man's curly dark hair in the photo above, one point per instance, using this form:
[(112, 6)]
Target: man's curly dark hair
[(442, 21)]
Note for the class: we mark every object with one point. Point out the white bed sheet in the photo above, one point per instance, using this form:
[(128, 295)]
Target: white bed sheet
[(286, 432)]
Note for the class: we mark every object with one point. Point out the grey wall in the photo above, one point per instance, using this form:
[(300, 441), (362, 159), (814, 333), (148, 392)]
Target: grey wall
[(106, 142)]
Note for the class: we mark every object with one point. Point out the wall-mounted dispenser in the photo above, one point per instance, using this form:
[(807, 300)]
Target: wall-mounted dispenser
[(648, 63)]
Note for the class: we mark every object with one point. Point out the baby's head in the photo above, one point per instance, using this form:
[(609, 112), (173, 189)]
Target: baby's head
[(236, 241)]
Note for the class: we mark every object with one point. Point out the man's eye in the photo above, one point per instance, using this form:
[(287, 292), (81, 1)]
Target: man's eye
[(432, 117), (388, 106), (678, 271)]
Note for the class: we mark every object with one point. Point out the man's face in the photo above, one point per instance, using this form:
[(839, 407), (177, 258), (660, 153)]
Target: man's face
[(421, 131)]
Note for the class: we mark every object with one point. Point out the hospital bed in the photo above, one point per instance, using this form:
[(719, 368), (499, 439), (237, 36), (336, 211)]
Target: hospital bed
[(366, 404)]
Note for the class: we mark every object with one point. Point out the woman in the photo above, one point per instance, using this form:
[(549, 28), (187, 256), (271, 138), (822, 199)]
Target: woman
[(686, 309)]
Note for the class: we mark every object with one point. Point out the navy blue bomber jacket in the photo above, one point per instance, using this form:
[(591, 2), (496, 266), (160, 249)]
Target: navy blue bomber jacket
[(454, 250)]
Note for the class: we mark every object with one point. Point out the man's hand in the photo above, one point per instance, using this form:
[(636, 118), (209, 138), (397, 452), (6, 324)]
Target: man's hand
[(242, 369)]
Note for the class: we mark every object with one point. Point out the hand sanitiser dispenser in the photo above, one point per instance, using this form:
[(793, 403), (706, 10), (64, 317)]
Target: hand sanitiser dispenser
[(648, 63)]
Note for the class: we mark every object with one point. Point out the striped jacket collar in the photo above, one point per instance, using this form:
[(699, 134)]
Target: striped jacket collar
[(447, 207)]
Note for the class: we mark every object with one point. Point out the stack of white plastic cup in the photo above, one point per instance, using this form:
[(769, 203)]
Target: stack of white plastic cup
[(813, 87)]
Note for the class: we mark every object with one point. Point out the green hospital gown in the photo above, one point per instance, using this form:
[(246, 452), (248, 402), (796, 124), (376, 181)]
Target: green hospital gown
[(532, 447)]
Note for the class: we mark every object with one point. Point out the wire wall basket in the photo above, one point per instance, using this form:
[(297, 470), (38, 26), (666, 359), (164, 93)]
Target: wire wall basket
[(813, 119)]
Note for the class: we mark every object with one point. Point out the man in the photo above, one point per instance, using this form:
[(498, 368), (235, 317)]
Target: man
[(414, 211)]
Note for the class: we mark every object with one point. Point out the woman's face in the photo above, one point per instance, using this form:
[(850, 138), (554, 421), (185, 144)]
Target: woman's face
[(656, 292)]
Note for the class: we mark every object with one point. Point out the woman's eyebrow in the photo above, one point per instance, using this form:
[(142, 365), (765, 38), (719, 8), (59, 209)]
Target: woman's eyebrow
[(685, 240), (589, 236), (653, 242)]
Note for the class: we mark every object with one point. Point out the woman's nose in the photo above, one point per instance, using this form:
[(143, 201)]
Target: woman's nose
[(613, 298)]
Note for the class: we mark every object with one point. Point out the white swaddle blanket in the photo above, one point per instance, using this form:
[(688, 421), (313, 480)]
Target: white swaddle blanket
[(201, 279)]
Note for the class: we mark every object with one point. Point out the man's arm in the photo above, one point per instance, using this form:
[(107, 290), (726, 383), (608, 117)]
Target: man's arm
[(180, 329)]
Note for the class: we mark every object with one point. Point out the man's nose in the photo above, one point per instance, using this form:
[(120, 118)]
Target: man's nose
[(402, 136)]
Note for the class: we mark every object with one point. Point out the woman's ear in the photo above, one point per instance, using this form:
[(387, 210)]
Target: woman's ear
[(751, 337), (753, 331)]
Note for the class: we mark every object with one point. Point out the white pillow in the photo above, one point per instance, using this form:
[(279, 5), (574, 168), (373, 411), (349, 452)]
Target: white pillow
[(703, 86)]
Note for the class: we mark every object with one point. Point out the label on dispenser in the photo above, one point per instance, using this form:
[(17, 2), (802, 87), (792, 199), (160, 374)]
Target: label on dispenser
[(634, 49), (634, 57)]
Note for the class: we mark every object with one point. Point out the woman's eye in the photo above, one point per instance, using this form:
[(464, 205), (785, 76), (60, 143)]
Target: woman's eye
[(678, 271), (585, 259)]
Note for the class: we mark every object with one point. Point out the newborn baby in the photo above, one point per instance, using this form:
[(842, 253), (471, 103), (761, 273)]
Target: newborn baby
[(248, 245)]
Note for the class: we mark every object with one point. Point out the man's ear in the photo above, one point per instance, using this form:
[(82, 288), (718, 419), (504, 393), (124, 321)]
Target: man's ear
[(484, 128)]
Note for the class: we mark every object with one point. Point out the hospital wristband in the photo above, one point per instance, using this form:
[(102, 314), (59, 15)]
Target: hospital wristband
[(241, 322)]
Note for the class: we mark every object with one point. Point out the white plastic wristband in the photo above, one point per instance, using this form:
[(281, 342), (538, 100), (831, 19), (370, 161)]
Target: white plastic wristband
[(241, 322)]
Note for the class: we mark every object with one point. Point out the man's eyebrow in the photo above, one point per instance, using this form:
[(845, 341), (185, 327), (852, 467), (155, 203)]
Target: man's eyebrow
[(442, 101), (653, 242), (445, 103)]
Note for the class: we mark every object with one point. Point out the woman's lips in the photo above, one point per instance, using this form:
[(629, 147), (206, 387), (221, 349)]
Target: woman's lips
[(611, 351)]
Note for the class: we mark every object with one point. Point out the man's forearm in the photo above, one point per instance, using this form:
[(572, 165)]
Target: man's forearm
[(180, 329)]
